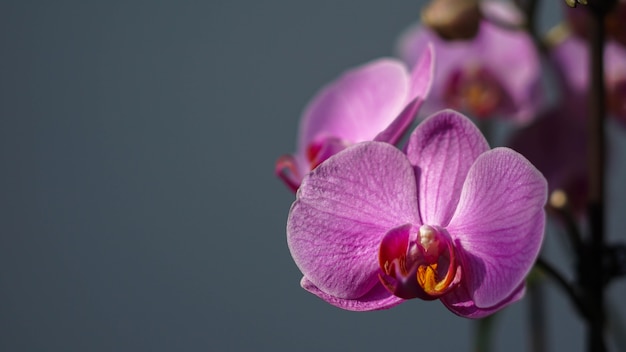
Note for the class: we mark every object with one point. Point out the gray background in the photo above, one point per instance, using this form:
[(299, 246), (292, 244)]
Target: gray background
[(138, 206)]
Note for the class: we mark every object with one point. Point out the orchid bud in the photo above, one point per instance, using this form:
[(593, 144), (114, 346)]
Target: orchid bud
[(453, 19)]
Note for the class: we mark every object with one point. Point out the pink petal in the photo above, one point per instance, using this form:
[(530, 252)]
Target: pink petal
[(357, 106), (460, 302), (498, 224), (556, 144), (514, 59), (376, 299), (343, 209), (421, 81), (571, 59), (422, 74), (415, 42), (442, 149), (502, 12), (510, 57), (393, 133)]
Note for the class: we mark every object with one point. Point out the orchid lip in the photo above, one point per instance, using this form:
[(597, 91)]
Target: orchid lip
[(418, 263), (287, 167), (323, 148)]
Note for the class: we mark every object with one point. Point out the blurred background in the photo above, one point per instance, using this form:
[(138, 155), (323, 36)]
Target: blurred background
[(139, 210)]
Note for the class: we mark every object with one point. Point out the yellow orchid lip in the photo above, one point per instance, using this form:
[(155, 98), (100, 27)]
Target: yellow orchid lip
[(436, 278)]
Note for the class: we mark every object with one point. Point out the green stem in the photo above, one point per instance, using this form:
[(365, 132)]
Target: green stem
[(484, 334), (536, 317)]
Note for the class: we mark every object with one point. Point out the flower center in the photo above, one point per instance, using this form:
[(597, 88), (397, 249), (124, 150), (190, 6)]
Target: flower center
[(475, 90), (323, 148), (418, 264)]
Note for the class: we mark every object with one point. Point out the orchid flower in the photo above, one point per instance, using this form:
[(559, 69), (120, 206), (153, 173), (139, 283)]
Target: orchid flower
[(556, 144), (449, 219), (571, 58), (376, 101), (495, 73)]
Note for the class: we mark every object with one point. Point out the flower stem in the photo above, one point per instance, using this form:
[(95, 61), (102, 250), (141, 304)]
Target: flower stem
[(572, 230), (566, 286), (537, 329), (484, 334), (536, 317), (591, 261)]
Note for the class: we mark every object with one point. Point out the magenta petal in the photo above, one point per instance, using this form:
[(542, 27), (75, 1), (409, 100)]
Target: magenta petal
[(421, 81), (508, 56), (502, 12), (393, 133), (343, 209), (422, 74), (571, 59), (557, 145), (415, 43), (514, 60), (357, 106), (442, 149), (376, 299), (460, 303), (499, 224)]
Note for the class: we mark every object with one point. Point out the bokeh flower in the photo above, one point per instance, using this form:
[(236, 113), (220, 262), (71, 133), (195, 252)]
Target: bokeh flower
[(497, 72), (376, 101), (570, 56), (556, 143), (449, 219)]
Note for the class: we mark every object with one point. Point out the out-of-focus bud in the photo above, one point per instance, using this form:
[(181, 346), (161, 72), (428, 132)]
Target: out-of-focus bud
[(573, 3), (570, 55), (453, 19)]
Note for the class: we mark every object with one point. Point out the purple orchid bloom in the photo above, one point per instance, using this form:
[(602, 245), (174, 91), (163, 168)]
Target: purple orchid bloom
[(495, 73), (556, 143), (450, 219), (376, 101), (571, 58)]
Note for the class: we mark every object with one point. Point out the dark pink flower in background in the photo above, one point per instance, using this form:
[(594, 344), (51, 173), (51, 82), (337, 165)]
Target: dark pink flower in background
[(570, 56), (376, 101), (556, 143), (449, 219), (495, 73)]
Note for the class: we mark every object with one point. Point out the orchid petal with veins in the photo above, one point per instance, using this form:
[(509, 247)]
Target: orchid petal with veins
[(450, 219), (376, 101)]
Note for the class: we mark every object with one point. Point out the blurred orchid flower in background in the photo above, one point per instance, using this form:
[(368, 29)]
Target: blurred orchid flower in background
[(450, 219), (494, 70), (556, 143), (376, 101), (570, 56)]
